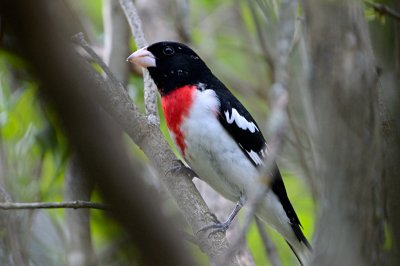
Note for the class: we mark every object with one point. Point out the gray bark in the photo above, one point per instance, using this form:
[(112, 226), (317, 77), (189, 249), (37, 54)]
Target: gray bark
[(342, 88), (386, 43)]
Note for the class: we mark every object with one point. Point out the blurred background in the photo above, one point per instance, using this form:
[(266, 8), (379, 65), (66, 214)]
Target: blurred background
[(35, 159)]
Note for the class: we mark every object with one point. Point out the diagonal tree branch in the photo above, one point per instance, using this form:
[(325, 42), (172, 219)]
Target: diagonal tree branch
[(150, 139), (79, 38), (383, 9)]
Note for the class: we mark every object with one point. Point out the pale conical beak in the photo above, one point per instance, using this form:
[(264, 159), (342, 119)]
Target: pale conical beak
[(143, 58)]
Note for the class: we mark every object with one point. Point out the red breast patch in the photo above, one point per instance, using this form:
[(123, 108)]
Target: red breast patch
[(176, 106)]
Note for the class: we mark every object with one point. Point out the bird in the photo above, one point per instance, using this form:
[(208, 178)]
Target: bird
[(217, 137)]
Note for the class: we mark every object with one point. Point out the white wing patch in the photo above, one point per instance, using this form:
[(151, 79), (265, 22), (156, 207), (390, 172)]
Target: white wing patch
[(255, 157), (240, 121)]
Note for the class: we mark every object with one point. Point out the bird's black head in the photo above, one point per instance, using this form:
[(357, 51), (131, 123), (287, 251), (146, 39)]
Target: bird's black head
[(171, 65)]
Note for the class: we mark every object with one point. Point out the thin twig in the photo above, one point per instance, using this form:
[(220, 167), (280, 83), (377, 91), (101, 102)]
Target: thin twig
[(268, 53), (256, 198), (270, 248), (134, 22), (297, 35), (383, 9), (300, 149), (80, 40), (77, 204), (278, 119), (150, 89)]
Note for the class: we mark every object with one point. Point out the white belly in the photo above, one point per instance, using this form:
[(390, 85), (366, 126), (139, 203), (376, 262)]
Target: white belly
[(212, 153), (218, 160)]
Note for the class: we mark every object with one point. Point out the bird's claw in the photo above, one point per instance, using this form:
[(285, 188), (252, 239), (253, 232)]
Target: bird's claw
[(179, 166), (213, 217), (216, 227)]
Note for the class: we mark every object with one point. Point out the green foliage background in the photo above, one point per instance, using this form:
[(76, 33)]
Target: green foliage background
[(34, 152)]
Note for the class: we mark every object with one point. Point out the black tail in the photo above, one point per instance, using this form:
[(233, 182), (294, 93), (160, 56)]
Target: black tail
[(303, 250)]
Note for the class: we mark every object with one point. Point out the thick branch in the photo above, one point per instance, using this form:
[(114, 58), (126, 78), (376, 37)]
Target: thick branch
[(342, 90), (150, 139), (89, 130)]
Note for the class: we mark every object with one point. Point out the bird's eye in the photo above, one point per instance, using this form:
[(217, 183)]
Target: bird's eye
[(168, 50)]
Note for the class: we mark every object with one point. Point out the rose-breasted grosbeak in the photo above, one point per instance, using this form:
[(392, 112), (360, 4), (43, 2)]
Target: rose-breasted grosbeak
[(217, 136)]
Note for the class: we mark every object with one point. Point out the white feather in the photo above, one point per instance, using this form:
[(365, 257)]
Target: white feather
[(255, 157), (240, 121)]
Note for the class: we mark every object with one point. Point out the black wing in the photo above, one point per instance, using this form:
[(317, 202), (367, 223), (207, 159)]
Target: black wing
[(244, 130), (241, 126)]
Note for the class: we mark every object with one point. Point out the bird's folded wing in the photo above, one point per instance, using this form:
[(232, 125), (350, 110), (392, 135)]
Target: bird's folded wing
[(238, 122)]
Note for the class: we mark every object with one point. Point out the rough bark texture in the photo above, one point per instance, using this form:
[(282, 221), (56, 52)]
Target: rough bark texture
[(387, 46), (344, 100), (391, 133)]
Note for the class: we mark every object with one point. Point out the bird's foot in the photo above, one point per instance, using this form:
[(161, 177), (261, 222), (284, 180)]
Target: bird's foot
[(216, 227), (179, 166)]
